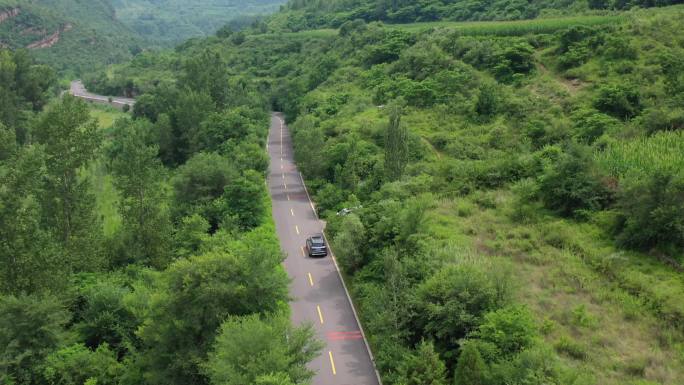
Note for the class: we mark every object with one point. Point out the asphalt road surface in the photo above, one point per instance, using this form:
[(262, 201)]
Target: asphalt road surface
[(319, 295), (78, 89)]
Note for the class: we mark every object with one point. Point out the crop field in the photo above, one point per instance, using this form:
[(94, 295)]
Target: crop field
[(512, 28), (661, 152), (480, 28)]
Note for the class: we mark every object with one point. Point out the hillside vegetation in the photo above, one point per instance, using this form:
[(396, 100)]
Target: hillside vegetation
[(307, 14), (136, 251), (519, 188), (516, 197), (68, 34), (76, 37)]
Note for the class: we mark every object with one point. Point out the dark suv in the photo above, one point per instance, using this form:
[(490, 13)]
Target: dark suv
[(315, 246)]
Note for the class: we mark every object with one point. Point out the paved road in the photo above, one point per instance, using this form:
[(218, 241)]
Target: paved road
[(319, 295), (78, 89)]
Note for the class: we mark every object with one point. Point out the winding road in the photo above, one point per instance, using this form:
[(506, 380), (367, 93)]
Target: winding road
[(319, 294), (78, 89)]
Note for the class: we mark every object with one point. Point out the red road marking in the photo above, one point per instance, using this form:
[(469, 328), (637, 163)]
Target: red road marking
[(337, 336)]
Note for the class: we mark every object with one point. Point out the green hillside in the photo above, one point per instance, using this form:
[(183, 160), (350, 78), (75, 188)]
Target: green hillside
[(68, 34), (307, 14), (514, 193), (172, 21), (523, 213), (76, 35)]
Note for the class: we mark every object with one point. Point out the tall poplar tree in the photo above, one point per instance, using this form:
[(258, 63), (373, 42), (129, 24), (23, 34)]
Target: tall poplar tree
[(396, 143), (71, 138), (139, 177)]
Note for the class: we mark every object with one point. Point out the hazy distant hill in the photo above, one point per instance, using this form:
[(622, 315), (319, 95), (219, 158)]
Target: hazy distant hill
[(79, 35), (68, 34), (172, 21)]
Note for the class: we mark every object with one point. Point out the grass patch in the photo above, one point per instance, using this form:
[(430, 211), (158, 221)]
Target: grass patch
[(105, 115), (571, 348), (106, 198)]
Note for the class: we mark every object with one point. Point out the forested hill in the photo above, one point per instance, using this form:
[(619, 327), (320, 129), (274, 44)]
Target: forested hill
[(307, 14), (73, 35), (67, 34), (514, 196), (516, 187), (172, 21)]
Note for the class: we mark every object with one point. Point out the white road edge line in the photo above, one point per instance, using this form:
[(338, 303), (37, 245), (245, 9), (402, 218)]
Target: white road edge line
[(344, 285)]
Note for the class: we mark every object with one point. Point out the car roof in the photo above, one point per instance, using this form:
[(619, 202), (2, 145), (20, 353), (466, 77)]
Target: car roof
[(317, 237)]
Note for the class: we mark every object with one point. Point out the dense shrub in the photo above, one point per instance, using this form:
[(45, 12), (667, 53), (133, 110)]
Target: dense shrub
[(569, 183), (591, 124), (619, 100), (508, 330), (452, 303), (651, 211), (201, 181)]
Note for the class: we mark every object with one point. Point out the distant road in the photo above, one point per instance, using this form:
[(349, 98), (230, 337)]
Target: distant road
[(78, 89), (319, 295)]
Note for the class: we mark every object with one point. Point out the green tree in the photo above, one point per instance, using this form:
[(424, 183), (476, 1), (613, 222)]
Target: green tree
[(139, 178), (30, 329), (349, 243), (199, 183), (250, 350), (396, 143), (70, 137), (471, 369), (424, 367), (510, 330), (191, 233), (245, 199), (309, 141), (190, 110), (570, 183), (207, 72), (78, 365), (248, 155), (651, 208), (411, 220), (591, 124), (619, 100), (30, 256), (104, 319), (451, 304), (194, 296), (235, 123), (487, 102), (166, 139), (8, 142), (23, 87)]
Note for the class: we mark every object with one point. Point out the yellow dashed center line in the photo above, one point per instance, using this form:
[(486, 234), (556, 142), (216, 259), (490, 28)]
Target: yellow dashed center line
[(303, 252), (283, 175), (285, 186), (320, 315), (310, 279), (297, 229), (332, 363), (288, 197), (292, 212)]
